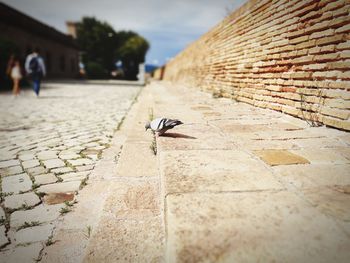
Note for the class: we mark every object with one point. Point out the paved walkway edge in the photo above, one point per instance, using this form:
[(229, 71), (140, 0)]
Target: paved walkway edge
[(120, 196)]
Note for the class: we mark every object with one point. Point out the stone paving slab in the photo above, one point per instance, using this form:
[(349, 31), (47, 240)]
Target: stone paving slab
[(39, 214), (280, 157), (240, 204), (33, 234), (133, 241), (214, 170), (63, 187), (28, 253), (20, 200), (16, 183), (243, 227), (133, 155)]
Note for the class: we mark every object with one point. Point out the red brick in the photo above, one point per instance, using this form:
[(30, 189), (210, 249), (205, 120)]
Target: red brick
[(330, 40), (270, 53)]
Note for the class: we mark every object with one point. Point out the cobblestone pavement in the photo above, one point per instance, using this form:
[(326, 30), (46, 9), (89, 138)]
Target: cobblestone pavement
[(48, 147)]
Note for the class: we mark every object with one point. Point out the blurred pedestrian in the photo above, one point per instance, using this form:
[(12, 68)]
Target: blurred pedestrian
[(16, 76), (10, 65), (35, 67)]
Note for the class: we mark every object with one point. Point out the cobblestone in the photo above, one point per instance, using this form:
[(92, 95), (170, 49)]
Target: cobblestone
[(39, 214), (45, 179), (17, 201), (49, 145), (16, 183), (8, 163)]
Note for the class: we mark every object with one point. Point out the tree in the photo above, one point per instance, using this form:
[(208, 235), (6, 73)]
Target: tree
[(132, 53), (102, 46)]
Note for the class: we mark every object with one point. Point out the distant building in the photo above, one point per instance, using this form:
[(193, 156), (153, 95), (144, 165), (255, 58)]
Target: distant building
[(60, 51), (72, 29)]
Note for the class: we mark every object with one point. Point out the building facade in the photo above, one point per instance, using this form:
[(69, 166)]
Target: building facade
[(60, 51)]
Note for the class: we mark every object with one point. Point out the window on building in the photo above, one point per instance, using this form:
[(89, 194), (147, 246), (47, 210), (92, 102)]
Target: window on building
[(62, 63), (48, 61), (72, 65)]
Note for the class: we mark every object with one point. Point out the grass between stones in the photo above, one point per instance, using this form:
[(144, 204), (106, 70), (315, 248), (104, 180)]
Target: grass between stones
[(153, 145), (30, 224), (88, 232)]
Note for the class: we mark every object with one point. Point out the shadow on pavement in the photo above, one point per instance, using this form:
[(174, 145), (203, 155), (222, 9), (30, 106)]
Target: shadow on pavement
[(177, 135)]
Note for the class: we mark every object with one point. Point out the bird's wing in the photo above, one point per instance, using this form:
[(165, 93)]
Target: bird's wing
[(157, 124), (172, 123)]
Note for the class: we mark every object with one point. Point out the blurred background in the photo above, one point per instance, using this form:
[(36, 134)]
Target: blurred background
[(108, 39)]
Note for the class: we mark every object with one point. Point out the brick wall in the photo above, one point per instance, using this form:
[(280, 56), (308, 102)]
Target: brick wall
[(287, 55)]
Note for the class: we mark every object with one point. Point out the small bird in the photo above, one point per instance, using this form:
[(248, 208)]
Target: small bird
[(161, 125)]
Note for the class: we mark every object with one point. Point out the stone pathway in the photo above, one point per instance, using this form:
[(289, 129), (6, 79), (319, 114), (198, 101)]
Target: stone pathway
[(48, 147), (244, 184), (233, 184)]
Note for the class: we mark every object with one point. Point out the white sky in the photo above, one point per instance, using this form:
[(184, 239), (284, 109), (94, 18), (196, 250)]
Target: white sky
[(168, 25)]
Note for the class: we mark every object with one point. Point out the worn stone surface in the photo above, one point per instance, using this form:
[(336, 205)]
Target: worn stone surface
[(58, 198), (133, 200), (215, 170), (37, 170), (137, 241), (133, 155), (75, 176), (48, 178), (41, 213), (241, 227), (30, 164), (19, 200), (16, 183), (27, 253), (333, 201), (40, 137), (62, 170), (53, 163), (280, 157), (216, 209), (2, 213), (33, 234), (11, 170), (82, 161), (326, 156), (3, 238), (63, 187), (68, 251), (309, 176), (46, 155), (9, 163)]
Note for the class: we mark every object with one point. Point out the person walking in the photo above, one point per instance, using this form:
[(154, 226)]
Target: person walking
[(16, 76), (35, 67)]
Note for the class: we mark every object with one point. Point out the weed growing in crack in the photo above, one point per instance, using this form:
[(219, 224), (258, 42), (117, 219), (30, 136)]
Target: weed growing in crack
[(35, 186), (40, 194), (49, 241), (88, 232), (153, 146), (65, 210), (30, 224), (83, 183), (150, 114)]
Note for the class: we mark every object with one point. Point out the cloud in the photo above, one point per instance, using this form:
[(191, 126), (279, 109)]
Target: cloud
[(167, 24)]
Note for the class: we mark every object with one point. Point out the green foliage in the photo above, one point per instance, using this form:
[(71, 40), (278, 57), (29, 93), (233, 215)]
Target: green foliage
[(95, 70), (102, 46), (132, 53)]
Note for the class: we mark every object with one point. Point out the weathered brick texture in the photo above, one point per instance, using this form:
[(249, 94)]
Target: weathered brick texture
[(287, 55)]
